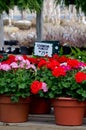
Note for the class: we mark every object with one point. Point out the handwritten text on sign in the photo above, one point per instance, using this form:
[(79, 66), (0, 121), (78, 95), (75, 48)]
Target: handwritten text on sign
[(42, 49)]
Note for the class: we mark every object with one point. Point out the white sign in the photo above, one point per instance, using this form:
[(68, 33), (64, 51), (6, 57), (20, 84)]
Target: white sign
[(42, 49)]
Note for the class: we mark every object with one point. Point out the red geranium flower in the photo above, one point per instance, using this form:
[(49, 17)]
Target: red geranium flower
[(55, 56), (33, 60), (25, 57), (53, 64), (42, 63), (80, 77), (1, 56), (36, 86), (73, 63), (11, 58), (60, 71), (63, 59)]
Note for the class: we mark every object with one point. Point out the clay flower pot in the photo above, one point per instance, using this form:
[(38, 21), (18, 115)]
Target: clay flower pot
[(85, 113), (85, 110), (68, 111), (13, 112), (40, 105)]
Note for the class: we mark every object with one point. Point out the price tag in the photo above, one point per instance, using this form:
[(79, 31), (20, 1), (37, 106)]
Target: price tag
[(42, 49)]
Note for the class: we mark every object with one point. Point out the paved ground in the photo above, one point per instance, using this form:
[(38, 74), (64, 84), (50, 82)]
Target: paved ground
[(40, 122)]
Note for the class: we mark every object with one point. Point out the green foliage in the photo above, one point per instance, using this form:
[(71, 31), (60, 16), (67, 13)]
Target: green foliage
[(78, 54), (61, 51), (82, 4), (5, 5), (68, 87), (63, 86), (45, 75), (16, 83), (77, 3), (3, 57), (33, 5)]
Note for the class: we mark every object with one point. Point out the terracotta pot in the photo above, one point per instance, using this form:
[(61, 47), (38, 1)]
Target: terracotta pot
[(40, 105), (85, 110), (68, 111), (0, 112), (85, 113), (14, 112)]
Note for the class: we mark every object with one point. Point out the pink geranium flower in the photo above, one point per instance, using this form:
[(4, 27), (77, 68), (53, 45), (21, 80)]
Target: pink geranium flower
[(19, 58), (5, 67), (14, 65), (44, 87), (31, 66)]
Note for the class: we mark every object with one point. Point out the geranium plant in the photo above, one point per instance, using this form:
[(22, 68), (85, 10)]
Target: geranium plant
[(59, 74), (16, 75), (66, 78)]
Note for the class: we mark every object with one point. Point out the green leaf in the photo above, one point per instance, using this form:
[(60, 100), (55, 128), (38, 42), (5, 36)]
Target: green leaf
[(22, 86)]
